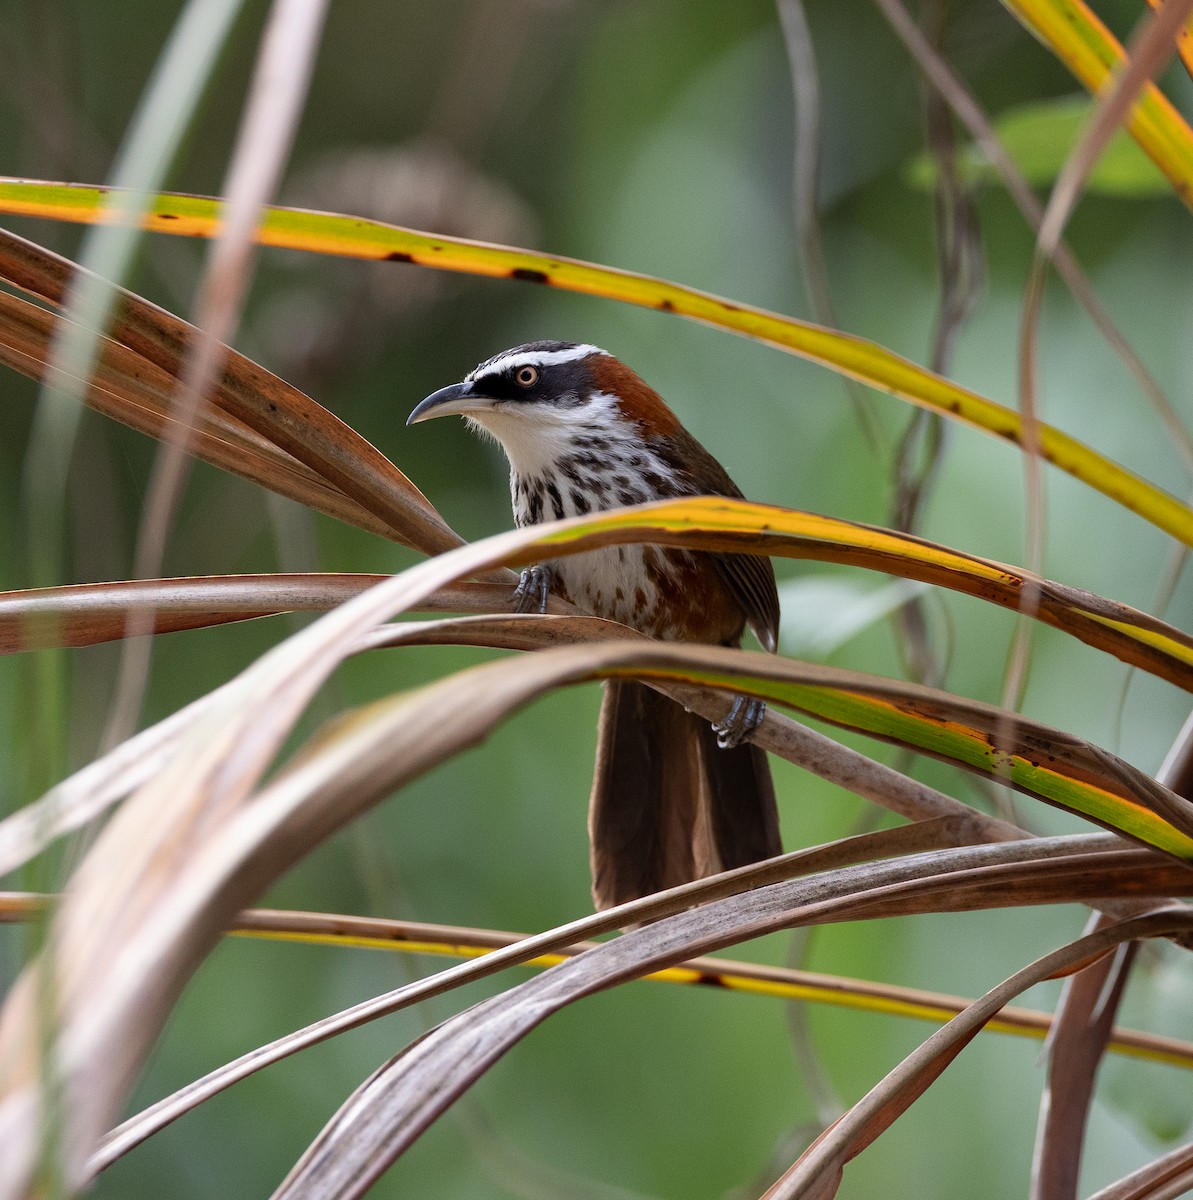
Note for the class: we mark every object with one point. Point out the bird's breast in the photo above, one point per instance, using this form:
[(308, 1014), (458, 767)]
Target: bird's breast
[(665, 592)]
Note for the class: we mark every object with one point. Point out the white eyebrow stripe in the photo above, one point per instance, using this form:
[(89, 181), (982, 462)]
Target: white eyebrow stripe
[(536, 358)]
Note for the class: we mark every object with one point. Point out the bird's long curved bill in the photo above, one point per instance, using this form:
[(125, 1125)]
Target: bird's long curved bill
[(456, 400)]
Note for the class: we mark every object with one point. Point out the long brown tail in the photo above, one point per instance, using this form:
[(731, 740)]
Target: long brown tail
[(668, 805)]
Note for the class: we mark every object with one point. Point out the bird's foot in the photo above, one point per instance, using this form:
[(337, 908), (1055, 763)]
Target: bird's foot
[(742, 719), (532, 591)]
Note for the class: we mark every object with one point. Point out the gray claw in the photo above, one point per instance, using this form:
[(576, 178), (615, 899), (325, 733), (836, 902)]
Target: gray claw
[(532, 591), (743, 718)]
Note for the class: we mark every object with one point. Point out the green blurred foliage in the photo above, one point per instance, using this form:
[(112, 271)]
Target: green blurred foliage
[(654, 135), (1039, 137)]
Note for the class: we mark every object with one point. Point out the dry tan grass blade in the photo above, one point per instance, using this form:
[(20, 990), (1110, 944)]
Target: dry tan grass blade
[(85, 795), (27, 832)]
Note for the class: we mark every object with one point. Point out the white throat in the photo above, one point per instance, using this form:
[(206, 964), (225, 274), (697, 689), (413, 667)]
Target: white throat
[(536, 437)]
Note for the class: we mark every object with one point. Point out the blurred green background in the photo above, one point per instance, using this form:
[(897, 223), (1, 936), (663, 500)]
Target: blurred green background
[(654, 135)]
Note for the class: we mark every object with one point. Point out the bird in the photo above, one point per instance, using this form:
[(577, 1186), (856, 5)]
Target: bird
[(673, 798)]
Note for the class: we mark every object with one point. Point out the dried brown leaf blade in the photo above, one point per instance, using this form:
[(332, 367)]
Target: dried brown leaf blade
[(403, 1097), (281, 414), (136, 392), (188, 850), (413, 587), (818, 1172), (86, 614), (168, 872), (1040, 761), (86, 794), (1084, 1020), (1164, 1178), (136, 1129), (161, 881), (718, 524), (802, 862), (381, 933)]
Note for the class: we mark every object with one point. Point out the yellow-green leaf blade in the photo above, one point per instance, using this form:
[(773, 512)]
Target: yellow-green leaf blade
[(737, 525), (955, 730), (855, 357), (96, 612), (759, 979), (1084, 44)]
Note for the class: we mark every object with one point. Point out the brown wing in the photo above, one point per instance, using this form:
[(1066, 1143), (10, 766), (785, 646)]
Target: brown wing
[(749, 577)]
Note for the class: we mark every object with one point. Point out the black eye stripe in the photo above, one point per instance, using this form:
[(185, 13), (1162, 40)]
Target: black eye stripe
[(562, 384)]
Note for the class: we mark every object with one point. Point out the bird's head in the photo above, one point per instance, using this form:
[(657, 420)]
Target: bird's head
[(543, 399)]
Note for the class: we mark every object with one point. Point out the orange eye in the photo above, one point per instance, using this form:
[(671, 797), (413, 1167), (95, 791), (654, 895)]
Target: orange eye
[(526, 376)]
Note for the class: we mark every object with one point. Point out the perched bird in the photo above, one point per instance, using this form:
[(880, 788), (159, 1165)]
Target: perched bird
[(673, 799)]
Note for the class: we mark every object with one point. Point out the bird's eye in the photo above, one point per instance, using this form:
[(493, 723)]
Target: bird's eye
[(526, 376)]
